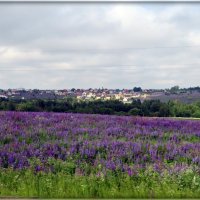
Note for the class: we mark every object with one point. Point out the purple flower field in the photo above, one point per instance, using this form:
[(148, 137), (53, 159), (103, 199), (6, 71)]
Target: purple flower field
[(102, 143)]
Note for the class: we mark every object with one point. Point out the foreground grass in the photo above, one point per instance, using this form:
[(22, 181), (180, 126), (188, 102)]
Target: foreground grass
[(185, 118), (62, 185)]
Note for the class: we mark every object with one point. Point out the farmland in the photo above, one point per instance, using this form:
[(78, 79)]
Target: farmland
[(81, 155)]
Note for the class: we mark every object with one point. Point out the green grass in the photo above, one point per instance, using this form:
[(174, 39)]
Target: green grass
[(188, 118), (147, 184)]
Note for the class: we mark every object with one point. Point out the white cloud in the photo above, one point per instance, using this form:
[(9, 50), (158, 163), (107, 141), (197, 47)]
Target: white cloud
[(88, 45)]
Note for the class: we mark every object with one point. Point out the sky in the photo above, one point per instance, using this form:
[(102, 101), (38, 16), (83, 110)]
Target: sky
[(95, 45)]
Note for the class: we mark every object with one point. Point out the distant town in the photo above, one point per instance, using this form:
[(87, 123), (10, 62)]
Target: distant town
[(186, 95)]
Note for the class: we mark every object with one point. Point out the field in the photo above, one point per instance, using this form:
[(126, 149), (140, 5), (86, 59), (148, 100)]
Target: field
[(98, 156), (182, 97)]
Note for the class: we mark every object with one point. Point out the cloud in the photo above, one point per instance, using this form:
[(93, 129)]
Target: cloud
[(94, 45)]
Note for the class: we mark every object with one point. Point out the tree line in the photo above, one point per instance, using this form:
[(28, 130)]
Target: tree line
[(152, 108)]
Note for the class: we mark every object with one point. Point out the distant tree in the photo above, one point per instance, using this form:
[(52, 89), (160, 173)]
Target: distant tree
[(134, 111), (145, 108), (136, 103), (164, 110), (155, 105), (196, 114), (182, 110), (40, 103), (137, 89), (11, 106), (26, 107), (174, 89), (36, 91)]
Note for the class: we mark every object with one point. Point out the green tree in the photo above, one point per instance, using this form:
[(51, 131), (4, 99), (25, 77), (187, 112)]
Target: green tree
[(174, 89), (164, 111), (137, 89), (135, 111)]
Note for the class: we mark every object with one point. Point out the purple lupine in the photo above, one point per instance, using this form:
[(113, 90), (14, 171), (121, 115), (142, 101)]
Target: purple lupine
[(110, 141)]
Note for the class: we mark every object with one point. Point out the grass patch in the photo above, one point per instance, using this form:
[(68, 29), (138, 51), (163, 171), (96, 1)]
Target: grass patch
[(149, 184)]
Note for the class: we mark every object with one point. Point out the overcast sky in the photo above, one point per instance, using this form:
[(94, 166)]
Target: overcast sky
[(56, 46)]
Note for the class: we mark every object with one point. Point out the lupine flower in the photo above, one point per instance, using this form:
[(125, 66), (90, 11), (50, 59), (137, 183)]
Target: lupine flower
[(111, 142)]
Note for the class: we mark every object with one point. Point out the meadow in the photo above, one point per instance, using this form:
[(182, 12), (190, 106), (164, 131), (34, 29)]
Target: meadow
[(64, 155)]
